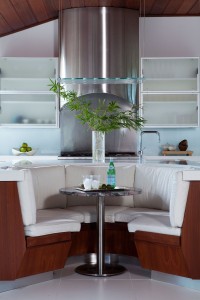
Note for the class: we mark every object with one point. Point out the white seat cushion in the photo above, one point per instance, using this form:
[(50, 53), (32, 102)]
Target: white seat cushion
[(53, 221), (90, 212), (129, 214), (153, 223), (58, 213)]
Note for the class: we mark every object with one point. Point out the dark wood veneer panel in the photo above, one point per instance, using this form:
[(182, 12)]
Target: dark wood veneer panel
[(44, 259), (117, 240), (157, 238), (162, 258), (48, 239), (160, 252), (12, 239), (190, 241), (84, 241), (23, 14)]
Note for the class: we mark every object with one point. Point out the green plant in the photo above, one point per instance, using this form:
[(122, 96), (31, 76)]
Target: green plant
[(105, 117)]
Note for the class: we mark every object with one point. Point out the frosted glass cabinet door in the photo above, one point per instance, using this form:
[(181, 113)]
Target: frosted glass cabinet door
[(28, 110), (170, 110), (25, 98), (170, 74), (169, 92)]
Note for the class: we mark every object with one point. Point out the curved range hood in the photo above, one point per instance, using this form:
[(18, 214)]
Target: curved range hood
[(100, 42)]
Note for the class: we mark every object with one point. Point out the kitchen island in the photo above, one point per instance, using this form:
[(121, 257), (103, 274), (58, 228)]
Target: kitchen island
[(40, 160), (11, 167)]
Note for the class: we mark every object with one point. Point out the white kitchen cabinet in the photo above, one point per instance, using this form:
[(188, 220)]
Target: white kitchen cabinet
[(25, 98), (169, 92)]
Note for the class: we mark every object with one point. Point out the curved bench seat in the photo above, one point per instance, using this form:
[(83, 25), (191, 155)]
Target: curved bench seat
[(153, 223), (50, 221), (129, 214), (90, 212)]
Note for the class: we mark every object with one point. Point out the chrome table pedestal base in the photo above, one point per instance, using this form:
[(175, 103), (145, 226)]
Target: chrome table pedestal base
[(101, 268), (92, 270)]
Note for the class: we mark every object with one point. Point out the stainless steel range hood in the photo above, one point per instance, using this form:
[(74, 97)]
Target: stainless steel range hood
[(99, 43)]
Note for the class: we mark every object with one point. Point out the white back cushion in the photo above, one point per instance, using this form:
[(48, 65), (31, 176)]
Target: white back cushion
[(39, 190), (178, 201), (27, 199), (124, 177), (46, 182), (162, 188), (157, 184)]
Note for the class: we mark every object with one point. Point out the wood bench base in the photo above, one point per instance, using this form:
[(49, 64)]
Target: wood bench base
[(21, 256)]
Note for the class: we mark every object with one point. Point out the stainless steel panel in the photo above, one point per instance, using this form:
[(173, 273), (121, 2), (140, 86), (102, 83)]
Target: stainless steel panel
[(76, 137), (100, 42)]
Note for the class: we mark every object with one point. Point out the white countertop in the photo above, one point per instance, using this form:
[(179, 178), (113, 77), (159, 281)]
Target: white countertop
[(8, 162), (52, 158)]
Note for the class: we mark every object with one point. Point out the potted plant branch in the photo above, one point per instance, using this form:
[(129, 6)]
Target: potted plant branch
[(101, 119)]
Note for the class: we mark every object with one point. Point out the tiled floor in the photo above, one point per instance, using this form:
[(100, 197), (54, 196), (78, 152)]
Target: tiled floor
[(134, 284)]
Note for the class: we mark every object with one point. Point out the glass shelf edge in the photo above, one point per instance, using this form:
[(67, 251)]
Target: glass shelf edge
[(175, 92), (127, 80), (8, 92), (169, 78), (171, 126)]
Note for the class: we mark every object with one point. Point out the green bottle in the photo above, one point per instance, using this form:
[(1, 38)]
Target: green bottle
[(111, 174)]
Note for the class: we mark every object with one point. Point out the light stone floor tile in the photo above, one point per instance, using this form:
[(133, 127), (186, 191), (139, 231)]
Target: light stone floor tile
[(98, 289), (41, 291), (155, 290), (134, 284)]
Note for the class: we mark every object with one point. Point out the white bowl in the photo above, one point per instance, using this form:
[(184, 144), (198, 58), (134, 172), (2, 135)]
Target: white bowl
[(15, 151), (171, 148), (165, 147)]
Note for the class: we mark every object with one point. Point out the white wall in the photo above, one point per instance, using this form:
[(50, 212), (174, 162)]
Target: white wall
[(163, 37), (38, 41), (172, 36)]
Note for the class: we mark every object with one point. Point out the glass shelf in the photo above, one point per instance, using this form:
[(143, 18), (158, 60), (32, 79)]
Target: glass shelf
[(119, 80), (26, 92)]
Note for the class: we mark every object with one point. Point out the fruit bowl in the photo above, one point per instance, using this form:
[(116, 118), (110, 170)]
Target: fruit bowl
[(15, 151)]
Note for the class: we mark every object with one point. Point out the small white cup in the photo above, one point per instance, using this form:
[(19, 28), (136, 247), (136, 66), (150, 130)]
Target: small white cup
[(96, 181), (91, 182), (87, 182)]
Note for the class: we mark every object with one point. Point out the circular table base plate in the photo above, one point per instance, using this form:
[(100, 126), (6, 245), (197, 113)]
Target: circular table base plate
[(92, 270)]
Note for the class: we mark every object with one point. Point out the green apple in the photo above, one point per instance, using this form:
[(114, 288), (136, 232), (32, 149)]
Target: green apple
[(22, 149), (28, 149), (24, 145)]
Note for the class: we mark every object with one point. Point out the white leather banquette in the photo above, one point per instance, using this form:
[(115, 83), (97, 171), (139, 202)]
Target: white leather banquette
[(42, 206), (160, 208)]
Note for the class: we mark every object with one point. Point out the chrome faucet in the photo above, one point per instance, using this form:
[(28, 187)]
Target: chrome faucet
[(140, 152)]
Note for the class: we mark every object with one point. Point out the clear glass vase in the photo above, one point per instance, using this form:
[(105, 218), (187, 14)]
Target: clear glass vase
[(98, 147)]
